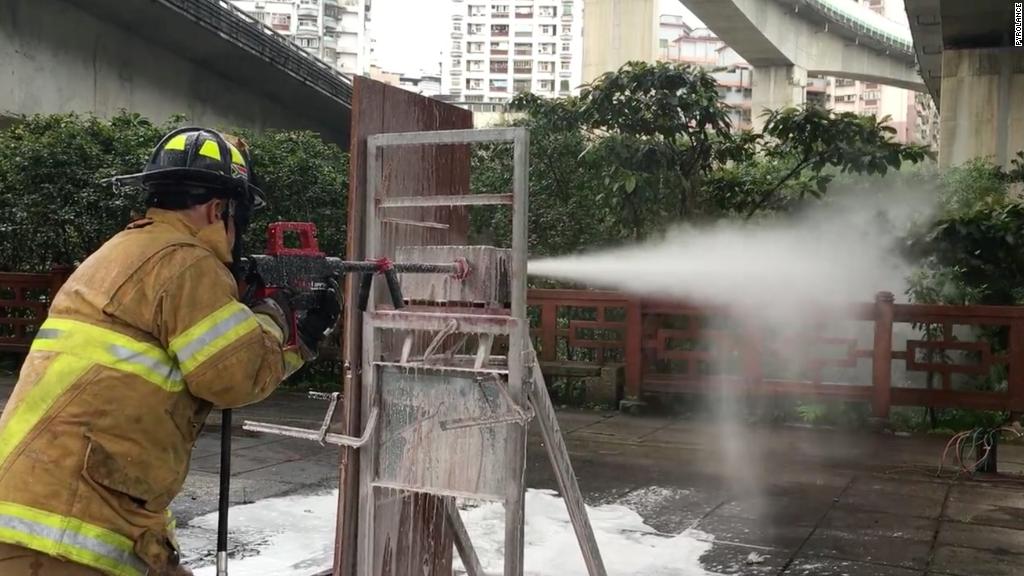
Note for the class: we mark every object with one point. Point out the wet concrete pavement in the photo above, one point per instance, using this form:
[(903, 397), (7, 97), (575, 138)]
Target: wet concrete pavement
[(777, 501)]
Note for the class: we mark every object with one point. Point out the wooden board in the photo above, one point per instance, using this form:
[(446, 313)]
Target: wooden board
[(378, 108)]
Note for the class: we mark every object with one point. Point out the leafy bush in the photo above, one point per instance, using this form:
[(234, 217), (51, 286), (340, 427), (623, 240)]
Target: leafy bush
[(54, 208)]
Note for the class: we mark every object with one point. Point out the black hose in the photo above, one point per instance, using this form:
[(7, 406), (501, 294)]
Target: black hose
[(394, 288), (365, 285), (225, 480)]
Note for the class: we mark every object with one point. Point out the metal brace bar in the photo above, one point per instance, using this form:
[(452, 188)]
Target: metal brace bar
[(322, 435), (515, 415)]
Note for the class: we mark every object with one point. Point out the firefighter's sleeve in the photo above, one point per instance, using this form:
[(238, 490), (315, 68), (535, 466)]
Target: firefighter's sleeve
[(227, 354)]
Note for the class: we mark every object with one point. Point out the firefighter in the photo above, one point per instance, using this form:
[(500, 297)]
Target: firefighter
[(141, 342)]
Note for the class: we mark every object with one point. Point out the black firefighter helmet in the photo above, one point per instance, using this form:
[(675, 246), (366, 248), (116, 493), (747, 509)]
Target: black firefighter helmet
[(191, 166)]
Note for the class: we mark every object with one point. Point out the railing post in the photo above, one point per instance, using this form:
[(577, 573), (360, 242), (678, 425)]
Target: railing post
[(1015, 377), (633, 349), (549, 330), (881, 375), (59, 274)]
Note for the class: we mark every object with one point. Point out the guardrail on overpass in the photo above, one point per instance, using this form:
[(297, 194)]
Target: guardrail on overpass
[(251, 34)]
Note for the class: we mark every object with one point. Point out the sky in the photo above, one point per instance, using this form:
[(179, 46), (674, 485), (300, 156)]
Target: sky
[(409, 38)]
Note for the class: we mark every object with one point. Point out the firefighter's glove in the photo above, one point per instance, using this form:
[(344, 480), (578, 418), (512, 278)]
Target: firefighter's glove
[(276, 309), (319, 320)]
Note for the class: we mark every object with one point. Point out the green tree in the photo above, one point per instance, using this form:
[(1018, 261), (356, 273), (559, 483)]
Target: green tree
[(801, 149), (306, 180), (55, 208), (972, 250), (651, 144)]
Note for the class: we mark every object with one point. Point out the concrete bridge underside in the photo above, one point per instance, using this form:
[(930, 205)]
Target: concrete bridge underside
[(785, 43), (974, 74), (158, 58)]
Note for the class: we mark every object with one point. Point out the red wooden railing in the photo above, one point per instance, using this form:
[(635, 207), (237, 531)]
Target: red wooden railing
[(24, 299), (873, 352)]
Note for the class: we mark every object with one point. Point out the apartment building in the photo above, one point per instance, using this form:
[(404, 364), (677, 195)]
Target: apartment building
[(906, 114), (501, 48), (333, 30)]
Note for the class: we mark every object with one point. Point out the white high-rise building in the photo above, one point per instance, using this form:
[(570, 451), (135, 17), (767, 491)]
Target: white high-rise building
[(501, 47), (333, 30)]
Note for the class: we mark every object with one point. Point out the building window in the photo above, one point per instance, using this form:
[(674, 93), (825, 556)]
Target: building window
[(524, 11), (499, 48), (499, 66), (474, 84), (548, 30), (457, 26), (456, 62), (546, 85), (456, 46), (475, 65), (308, 42), (521, 86), (663, 43), (522, 66), (475, 98), (566, 47), (566, 28), (548, 12), (547, 48), (476, 29), (281, 21), (566, 65), (475, 47), (499, 85), (499, 29), (564, 86), (524, 49), (477, 10), (499, 11), (546, 66)]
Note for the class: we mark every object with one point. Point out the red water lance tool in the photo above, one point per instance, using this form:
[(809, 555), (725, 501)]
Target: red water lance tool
[(307, 274), (305, 270)]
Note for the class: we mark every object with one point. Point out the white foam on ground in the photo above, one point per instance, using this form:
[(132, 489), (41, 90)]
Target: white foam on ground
[(294, 536)]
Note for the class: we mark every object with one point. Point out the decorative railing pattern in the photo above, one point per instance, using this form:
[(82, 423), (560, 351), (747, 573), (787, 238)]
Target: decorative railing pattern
[(885, 353)]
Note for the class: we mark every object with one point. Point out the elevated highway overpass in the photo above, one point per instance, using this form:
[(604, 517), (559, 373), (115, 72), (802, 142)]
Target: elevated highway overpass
[(201, 58), (785, 40)]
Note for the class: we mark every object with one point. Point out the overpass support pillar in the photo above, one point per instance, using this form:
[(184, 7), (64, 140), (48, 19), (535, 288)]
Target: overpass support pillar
[(776, 87), (982, 109)]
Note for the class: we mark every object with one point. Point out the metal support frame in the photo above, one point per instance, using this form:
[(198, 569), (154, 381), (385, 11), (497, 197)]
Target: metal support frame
[(522, 391)]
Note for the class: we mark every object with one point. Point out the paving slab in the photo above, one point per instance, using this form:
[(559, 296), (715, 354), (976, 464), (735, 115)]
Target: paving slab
[(728, 559), (668, 509), (201, 492), (782, 509), (821, 566), (879, 524), (998, 541), (991, 513), (958, 561), (783, 538), (856, 546), (901, 497)]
